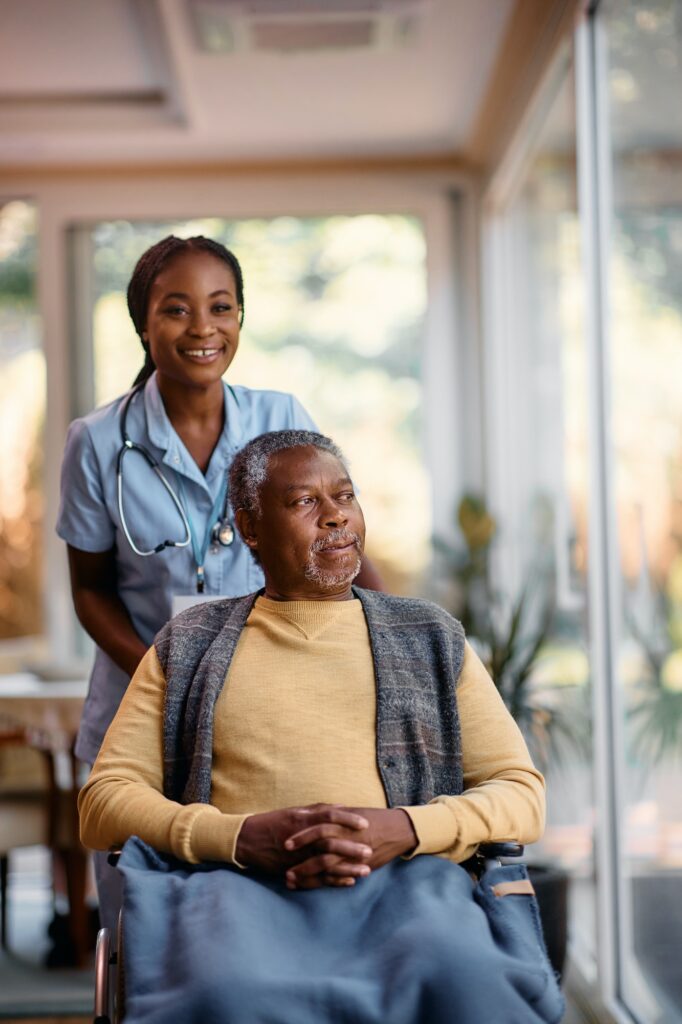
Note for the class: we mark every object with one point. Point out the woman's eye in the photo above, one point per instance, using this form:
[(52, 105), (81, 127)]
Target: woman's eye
[(221, 307), (175, 310)]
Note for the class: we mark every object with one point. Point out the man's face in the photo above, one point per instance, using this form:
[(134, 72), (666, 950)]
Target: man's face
[(311, 533)]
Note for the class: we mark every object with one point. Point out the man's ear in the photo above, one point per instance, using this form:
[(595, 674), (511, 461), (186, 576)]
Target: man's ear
[(246, 525)]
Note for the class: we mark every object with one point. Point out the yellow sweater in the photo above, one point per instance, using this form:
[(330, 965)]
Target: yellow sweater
[(295, 724)]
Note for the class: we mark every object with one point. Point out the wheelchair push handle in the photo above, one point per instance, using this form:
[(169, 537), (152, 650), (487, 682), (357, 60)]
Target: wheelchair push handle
[(491, 851), (489, 855)]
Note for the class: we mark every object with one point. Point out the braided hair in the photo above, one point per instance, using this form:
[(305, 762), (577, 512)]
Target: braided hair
[(148, 268)]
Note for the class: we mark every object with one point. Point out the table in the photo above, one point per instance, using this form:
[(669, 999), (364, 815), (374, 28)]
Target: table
[(48, 712)]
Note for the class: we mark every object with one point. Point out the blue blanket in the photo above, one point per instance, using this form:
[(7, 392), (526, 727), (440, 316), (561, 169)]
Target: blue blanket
[(414, 943)]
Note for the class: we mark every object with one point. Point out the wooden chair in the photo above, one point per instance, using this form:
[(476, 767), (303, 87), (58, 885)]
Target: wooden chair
[(26, 804)]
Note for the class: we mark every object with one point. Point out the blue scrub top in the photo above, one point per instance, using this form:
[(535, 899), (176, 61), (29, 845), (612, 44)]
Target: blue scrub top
[(89, 517)]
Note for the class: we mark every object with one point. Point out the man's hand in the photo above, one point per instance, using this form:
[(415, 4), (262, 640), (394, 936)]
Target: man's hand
[(389, 833), (262, 841)]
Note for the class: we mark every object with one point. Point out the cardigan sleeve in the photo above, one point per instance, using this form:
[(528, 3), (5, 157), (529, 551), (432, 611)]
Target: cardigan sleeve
[(124, 793), (504, 794)]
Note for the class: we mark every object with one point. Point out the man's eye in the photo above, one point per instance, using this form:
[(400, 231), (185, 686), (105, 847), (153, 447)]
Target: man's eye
[(347, 496), (307, 500)]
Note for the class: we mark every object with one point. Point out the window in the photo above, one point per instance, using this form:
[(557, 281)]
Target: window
[(334, 309), (22, 401), (537, 421), (644, 44)]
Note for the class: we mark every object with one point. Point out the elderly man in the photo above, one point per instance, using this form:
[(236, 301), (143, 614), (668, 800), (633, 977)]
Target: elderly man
[(318, 737)]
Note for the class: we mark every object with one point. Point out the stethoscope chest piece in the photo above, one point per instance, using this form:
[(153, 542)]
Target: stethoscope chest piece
[(223, 533)]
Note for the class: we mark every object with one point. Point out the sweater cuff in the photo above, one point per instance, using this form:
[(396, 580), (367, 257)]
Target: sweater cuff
[(214, 836), (435, 828)]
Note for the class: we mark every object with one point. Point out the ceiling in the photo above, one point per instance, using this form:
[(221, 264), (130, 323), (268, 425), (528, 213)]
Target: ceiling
[(132, 81)]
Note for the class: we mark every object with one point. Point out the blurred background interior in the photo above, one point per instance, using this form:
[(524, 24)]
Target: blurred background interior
[(461, 229)]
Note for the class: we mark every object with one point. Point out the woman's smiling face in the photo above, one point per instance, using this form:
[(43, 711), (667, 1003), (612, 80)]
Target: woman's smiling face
[(192, 326)]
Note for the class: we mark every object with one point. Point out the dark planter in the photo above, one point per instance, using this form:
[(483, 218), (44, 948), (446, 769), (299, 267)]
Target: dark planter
[(657, 935), (551, 889)]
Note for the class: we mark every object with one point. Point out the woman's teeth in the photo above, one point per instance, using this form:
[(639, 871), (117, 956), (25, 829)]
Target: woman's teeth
[(201, 352)]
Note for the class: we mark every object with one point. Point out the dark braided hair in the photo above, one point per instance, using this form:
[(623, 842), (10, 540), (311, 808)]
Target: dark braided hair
[(148, 268)]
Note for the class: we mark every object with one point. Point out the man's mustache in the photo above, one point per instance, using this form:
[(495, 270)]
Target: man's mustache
[(335, 538)]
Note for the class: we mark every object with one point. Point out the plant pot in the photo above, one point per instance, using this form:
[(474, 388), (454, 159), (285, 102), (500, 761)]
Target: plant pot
[(657, 931), (551, 889)]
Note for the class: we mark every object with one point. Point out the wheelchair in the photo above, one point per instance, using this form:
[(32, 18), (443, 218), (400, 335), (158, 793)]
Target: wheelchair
[(109, 1005)]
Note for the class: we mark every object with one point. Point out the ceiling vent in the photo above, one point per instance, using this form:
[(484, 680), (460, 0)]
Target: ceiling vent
[(304, 26)]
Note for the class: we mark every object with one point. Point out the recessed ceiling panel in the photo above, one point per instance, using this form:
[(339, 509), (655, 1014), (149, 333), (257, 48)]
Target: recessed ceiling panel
[(287, 26), (74, 48)]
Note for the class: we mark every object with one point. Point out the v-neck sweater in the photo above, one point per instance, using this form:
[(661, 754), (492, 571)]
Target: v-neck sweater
[(295, 724)]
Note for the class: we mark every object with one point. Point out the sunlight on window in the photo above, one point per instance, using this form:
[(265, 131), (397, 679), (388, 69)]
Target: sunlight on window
[(22, 412)]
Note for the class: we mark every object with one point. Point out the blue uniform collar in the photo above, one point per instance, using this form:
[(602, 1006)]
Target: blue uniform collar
[(162, 434)]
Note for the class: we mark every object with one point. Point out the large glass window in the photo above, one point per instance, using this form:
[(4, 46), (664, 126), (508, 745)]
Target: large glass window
[(334, 309), (644, 43), (22, 413), (538, 424)]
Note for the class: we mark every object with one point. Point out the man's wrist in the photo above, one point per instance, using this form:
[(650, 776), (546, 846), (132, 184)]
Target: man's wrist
[(406, 835), (241, 851), (240, 855)]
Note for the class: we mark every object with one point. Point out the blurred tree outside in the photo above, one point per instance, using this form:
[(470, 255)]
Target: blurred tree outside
[(22, 413)]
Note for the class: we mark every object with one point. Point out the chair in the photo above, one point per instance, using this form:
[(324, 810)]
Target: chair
[(38, 809), (108, 1010), (25, 807)]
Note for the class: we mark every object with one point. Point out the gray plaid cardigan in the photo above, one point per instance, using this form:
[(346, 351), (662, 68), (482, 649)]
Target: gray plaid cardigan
[(417, 648)]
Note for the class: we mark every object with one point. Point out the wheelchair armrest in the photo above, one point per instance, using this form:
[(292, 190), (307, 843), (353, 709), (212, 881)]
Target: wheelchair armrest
[(115, 853), (491, 851)]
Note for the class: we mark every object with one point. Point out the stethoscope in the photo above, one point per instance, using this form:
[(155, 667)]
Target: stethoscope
[(220, 534)]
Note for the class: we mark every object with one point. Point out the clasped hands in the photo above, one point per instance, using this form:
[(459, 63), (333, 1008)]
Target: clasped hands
[(324, 844)]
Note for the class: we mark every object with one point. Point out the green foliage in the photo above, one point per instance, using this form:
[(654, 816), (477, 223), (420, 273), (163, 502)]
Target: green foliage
[(511, 633), (655, 716)]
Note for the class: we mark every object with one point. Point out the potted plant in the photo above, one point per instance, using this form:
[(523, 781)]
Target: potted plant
[(654, 748), (510, 633)]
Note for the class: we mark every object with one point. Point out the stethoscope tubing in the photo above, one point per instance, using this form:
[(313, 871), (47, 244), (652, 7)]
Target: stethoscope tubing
[(133, 446)]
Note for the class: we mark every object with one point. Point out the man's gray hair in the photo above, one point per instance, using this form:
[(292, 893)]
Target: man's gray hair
[(249, 470)]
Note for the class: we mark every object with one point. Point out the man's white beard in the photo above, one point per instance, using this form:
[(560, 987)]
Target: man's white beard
[(325, 579)]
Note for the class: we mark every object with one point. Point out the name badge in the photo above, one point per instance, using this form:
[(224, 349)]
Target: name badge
[(182, 601)]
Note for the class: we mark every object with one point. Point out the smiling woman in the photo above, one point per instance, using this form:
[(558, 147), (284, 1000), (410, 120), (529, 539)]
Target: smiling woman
[(139, 517)]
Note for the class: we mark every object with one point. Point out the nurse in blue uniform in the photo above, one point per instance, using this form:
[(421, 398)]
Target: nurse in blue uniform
[(144, 506)]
